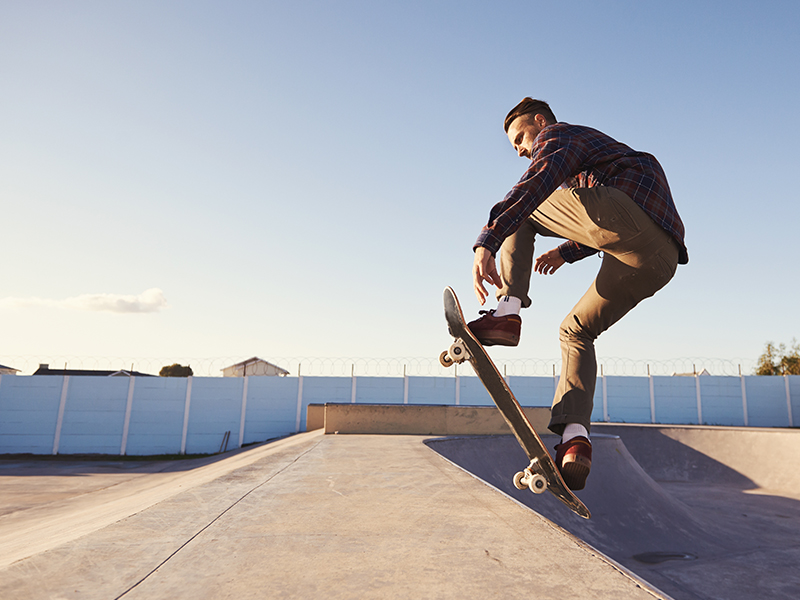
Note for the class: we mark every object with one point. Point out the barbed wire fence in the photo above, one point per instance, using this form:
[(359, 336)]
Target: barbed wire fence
[(385, 367)]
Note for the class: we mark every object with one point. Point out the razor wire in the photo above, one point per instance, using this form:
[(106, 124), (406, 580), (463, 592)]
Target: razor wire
[(384, 366)]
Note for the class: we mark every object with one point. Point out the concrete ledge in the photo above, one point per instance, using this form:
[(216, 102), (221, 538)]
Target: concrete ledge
[(315, 417), (408, 419)]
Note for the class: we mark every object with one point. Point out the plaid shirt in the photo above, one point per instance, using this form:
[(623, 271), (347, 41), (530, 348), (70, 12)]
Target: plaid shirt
[(576, 156)]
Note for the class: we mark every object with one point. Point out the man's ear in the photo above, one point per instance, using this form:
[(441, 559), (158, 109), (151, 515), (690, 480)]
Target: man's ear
[(540, 121)]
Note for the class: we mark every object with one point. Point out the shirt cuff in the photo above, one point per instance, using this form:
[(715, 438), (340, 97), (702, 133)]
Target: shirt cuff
[(573, 251), (488, 240)]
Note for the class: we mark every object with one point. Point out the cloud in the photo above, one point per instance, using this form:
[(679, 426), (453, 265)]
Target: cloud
[(149, 301)]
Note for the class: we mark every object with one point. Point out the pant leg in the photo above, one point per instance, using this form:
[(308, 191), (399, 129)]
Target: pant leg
[(516, 260), (616, 290), (639, 259), (516, 263)]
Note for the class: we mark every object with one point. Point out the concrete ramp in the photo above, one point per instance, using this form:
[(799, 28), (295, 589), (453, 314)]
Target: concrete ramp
[(715, 534), (749, 458), (631, 513)]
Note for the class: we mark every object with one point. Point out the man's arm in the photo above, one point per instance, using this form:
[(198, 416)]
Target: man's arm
[(557, 154)]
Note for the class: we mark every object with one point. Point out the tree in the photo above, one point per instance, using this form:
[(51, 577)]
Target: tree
[(176, 370), (776, 360)]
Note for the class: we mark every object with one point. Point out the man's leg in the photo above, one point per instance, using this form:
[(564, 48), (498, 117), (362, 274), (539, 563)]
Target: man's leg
[(516, 260), (639, 258), (516, 263), (616, 290)]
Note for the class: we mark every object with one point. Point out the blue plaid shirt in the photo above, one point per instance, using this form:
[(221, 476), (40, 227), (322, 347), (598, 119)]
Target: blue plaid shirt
[(576, 156)]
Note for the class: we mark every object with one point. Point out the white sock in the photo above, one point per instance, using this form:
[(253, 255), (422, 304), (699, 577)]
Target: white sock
[(508, 305), (573, 430)]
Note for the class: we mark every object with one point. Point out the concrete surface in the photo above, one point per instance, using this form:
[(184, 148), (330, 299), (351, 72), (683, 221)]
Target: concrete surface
[(723, 504), (46, 503), (690, 513), (312, 516)]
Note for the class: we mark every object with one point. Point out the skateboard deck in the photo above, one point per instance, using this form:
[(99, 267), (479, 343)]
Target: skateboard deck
[(541, 474)]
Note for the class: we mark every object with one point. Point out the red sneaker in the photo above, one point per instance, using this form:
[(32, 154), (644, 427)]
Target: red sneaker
[(501, 331), (574, 460)]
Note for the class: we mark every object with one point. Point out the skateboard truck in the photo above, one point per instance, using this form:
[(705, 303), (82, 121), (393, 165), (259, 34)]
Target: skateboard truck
[(457, 353), (529, 478)]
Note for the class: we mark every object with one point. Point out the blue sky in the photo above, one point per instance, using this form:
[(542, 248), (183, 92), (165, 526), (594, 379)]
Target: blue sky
[(304, 178)]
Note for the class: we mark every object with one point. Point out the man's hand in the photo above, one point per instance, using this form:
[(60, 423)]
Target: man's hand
[(549, 262), (483, 269)]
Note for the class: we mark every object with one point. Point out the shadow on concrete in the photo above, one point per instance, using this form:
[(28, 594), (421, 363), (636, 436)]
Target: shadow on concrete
[(693, 529), (77, 465)]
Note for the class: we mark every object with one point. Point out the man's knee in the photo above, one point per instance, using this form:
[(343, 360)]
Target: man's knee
[(573, 332)]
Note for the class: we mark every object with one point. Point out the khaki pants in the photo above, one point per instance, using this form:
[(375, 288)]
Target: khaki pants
[(639, 258)]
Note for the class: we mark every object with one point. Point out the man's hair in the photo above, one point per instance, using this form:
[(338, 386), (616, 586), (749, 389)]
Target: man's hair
[(530, 106)]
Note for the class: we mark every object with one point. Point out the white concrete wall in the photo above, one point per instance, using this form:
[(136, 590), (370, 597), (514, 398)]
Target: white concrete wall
[(165, 415)]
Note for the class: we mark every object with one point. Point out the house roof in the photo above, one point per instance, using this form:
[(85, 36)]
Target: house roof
[(9, 368), (46, 370), (257, 360), (701, 372)]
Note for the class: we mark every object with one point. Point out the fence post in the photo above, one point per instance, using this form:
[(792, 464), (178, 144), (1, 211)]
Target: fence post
[(788, 400), (699, 401), (744, 398), (652, 397), (605, 395), (186, 407), (127, 423), (299, 404), (244, 411), (61, 407)]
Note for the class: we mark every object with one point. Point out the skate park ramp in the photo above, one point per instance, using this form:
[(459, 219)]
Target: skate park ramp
[(699, 512), (383, 515)]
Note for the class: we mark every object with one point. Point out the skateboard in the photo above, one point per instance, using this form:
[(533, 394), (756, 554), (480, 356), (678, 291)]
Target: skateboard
[(541, 474)]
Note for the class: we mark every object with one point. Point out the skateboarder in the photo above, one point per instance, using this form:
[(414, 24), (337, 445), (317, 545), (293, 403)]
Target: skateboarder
[(600, 196)]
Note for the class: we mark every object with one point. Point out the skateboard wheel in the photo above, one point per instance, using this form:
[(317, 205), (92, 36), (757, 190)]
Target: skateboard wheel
[(458, 351), (537, 484), (518, 483), (445, 360)]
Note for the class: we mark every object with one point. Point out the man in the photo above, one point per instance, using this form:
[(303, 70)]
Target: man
[(600, 196)]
